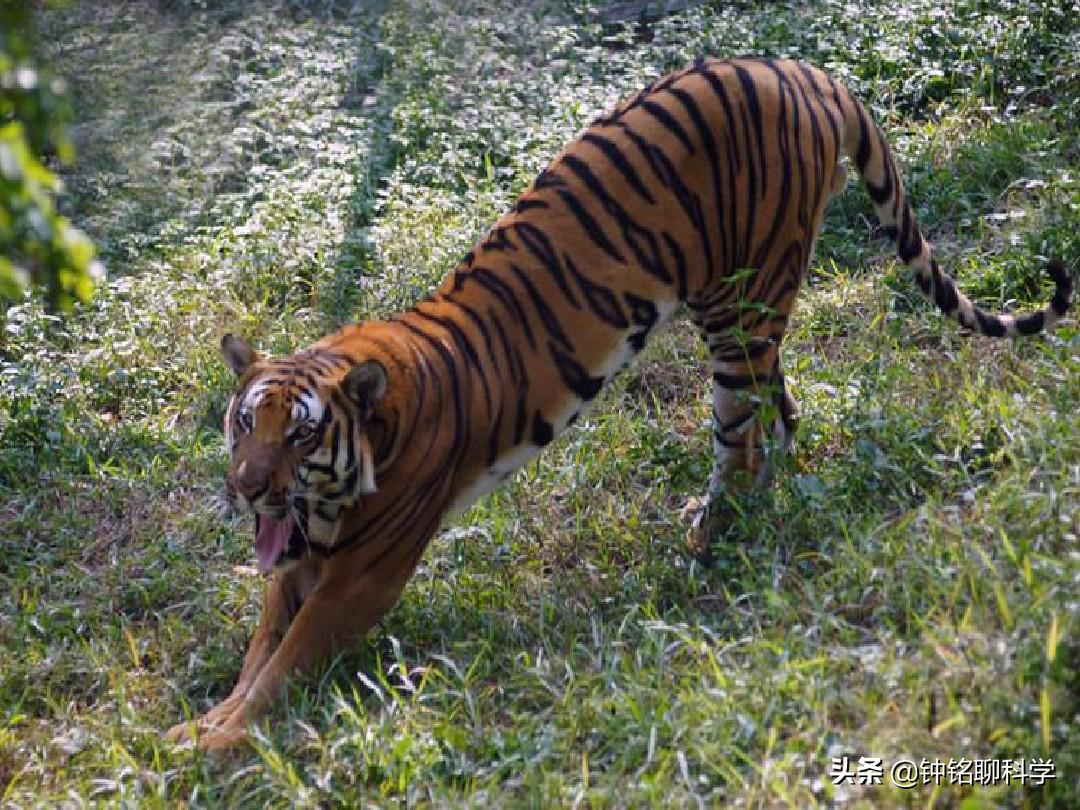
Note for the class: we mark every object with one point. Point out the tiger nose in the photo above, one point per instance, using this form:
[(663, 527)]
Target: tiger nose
[(249, 482)]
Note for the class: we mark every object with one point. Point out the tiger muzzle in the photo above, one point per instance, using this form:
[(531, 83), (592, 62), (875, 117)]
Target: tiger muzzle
[(254, 479), (249, 481)]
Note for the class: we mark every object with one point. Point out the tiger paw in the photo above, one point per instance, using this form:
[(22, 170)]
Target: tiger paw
[(225, 738), (225, 715), (182, 733), (699, 517), (205, 737), (711, 520)]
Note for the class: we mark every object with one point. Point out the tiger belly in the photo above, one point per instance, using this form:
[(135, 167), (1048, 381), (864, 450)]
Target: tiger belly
[(623, 353), (494, 475)]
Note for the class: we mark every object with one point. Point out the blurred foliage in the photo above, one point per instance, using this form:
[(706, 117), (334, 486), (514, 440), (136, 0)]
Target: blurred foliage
[(38, 246)]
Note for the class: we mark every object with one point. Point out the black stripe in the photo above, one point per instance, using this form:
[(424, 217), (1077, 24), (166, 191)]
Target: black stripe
[(654, 156), (314, 467), (540, 246), (733, 381), (1063, 287), (465, 346), (910, 239), (715, 326), (689, 202), (350, 445), (733, 153), (680, 264), (817, 139), (644, 314), (619, 161), (415, 519), (496, 240), (481, 327), (750, 92), (879, 194), (726, 224), (508, 349), (542, 432), (642, 310), (590, 226), (890, 169), (527, 204), (944, 290), (836, 96), (666, 173), (751, 186), (750, 350), (648, 255), (796, 131), (547, 316), (862, 154), (821, 105), (602, 301), (737, 444), (576, 377), (1030, 324), (989, 324), (462, 433), (784, 146), (455, 331), (666, 119), (548, 179), (334, 445), (734, 424), (505, 293)]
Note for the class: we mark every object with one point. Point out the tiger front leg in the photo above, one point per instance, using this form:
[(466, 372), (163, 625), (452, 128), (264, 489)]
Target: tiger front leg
[(340, 609), (285, 593), (754, 418)]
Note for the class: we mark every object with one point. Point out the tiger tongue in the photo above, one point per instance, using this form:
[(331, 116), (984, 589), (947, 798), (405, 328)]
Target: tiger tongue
[(270, 540)]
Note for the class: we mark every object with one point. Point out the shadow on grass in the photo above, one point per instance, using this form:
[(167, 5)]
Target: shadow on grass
[(168, 125)]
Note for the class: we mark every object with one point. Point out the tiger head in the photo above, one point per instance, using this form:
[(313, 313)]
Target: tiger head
[(297, 432)]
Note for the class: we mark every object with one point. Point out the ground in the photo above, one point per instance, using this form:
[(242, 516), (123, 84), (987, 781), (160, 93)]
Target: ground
[(908, 589)]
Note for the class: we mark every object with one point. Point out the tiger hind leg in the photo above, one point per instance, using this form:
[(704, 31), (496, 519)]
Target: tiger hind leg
[(754, 419)]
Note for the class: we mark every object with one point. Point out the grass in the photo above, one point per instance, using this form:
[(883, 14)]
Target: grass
[(908, 589)]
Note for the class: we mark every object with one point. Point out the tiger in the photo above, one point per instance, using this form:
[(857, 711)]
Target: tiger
[(702, 193)]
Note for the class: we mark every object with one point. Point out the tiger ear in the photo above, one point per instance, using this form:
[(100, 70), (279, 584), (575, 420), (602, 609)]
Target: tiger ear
[(365, 384), (238, 354)]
